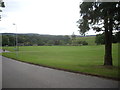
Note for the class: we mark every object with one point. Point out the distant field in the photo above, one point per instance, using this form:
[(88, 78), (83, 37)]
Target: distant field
[(89, 39), (88, 59)]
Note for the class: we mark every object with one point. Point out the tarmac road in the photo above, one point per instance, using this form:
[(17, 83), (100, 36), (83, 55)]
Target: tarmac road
[(21, 75)]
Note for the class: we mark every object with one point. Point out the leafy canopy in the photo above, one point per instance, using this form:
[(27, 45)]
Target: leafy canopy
[(93, 15)]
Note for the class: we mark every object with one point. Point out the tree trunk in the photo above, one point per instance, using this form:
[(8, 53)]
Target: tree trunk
[(108, 44)]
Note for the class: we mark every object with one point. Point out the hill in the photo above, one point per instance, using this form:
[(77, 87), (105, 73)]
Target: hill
[(89, 39)]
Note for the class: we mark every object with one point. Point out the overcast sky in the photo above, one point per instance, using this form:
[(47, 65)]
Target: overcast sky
[(55, 17)]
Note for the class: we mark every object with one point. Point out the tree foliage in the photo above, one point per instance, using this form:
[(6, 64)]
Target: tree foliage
[(9, 39), (34, 39), (100, 38), (94, 14), (1, 5), (117, 37)]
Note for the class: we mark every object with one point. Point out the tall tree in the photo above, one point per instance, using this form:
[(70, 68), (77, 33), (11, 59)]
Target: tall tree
[(101, 16)]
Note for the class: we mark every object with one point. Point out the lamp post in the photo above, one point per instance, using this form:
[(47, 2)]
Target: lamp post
[(16, 40)]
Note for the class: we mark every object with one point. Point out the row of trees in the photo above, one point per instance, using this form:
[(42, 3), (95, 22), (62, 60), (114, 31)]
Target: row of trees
[(50, 40), (34, 39), (40, 40)]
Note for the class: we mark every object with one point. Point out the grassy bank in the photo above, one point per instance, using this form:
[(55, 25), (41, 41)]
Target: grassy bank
[(88, 59), (89, 39)]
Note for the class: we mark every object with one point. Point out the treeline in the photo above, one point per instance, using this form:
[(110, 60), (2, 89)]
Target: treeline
[(100, 38), (10, 39)]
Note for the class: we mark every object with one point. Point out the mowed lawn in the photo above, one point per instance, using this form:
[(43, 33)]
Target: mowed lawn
[(88, 59)]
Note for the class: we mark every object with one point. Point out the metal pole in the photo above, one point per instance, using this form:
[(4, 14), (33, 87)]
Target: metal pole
[(16, 40)]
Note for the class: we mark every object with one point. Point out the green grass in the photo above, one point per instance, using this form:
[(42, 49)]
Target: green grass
[(89, 39), (88, 59)]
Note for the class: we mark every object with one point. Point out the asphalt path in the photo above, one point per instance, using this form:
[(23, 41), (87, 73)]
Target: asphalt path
[(21, 75)]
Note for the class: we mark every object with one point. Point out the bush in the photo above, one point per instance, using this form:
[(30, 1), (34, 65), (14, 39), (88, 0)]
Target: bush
[(84, 43), (100, 39), (78, 43)]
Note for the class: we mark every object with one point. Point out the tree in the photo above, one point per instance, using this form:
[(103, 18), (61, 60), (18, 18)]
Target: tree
[(117, 36), (1, 5), (99, 39), (96, 14), (5, 40)]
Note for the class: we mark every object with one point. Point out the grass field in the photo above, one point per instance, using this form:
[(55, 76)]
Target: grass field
[(88, 59)]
